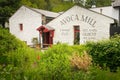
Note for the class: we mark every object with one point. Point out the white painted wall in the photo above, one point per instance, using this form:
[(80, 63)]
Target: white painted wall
[(64, 33), (108, 11), (30, 20)]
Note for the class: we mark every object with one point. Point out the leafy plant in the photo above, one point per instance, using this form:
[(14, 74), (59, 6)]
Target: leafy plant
[(106, 53), (8, 43), (81, 62)]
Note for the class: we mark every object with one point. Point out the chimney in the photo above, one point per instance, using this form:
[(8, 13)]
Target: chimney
[(101, 11)]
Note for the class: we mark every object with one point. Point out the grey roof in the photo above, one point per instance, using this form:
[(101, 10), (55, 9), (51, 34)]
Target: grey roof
[(46, 13), (116, 3), (50, 28)]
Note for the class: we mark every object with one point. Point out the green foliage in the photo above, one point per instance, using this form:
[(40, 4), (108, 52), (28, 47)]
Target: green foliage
[(106, 53), (8, 43), (7, 8), (34, 3), (18, 62), (62, 7), (98, 3), (55, 64), (101, 3), (22, 57), (22, 64), (99, 74), (51, 5), (16, 59)]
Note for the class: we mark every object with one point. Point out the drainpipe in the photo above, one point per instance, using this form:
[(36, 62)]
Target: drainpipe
[(119, 15)]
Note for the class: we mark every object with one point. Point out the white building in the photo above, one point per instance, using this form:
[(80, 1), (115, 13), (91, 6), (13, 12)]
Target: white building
[(25, 21), (76, 26), (111, 11)]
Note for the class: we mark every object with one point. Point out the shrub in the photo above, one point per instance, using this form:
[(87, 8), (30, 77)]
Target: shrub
[(55, 64), (82, 62), (23, 63), (8, 43), (104, 74), (106, 53)]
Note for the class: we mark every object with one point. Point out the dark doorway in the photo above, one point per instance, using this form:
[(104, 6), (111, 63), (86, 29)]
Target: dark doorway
[(76, 35), (114, 29), (47, 39)]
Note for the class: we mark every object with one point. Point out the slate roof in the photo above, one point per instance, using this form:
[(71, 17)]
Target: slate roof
[(116, 3), (46, 13)]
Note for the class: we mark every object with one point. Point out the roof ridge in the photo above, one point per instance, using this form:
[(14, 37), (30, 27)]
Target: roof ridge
[(41, 11), (45, 10)]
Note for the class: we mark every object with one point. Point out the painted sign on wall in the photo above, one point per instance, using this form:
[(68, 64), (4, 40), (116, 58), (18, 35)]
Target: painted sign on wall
[(76, 17), (89, 34), (92, 26)]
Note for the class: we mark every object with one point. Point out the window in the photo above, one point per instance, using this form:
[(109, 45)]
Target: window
[(21, 27), (48, 19)]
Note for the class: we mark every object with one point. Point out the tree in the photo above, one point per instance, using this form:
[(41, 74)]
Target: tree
[(7, 8), (60, 5), (101, 3), (5, 13), (98, 3)]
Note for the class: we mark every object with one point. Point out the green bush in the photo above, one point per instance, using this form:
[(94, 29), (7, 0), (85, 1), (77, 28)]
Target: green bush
[(8, 43), (55, 64), (106, 53), (22, 64), (99, 74)]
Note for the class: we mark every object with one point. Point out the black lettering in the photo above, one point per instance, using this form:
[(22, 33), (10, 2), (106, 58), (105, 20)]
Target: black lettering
[(89, 19), (62, 23), (68, 19), (86, 18), (93, 23), (82, 19), (76, 17)]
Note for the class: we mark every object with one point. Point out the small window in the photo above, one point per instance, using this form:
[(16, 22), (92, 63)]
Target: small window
[(21, 27)]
